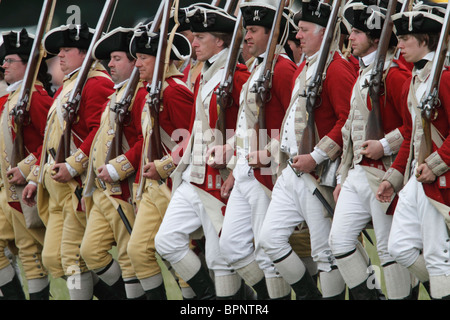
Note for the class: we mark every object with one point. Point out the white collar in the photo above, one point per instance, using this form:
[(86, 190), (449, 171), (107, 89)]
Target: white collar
[(216, 56), (68, 76), (368, 59), (13, 87), (120, 85)]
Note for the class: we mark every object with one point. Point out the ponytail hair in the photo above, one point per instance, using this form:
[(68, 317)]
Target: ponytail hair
[(43, 75)]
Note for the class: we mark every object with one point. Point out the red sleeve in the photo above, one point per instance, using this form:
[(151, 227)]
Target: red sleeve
[(178, 104), (133, 129), (93, 100), (337, 89), (34, 130), (395, 100), (403, 154), (280, 94)]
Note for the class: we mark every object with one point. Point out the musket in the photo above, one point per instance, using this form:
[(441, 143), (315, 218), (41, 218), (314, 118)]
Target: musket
[(263, 84), (314, 88), (20, 110), (430, 101), (72, 104), (121, 109), (225, 88), (154, 149), (375, 129)]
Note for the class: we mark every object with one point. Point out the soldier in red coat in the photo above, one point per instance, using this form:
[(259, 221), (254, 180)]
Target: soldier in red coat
[(293, 201), (55, 183), (251, 182), (196, 200), (152, 194), (419, 234), (365, 161), (111, 172), (16, 226)]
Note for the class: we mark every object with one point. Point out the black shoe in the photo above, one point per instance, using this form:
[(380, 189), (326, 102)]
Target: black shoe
[(203, 285), (158, 293), (13, 290), (261, 290), (105, 292), (306, 288), (362, 292), (44, 294)]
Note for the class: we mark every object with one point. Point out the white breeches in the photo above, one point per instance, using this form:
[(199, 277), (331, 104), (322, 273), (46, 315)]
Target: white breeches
[(185, 214), (293, 203), (356, 207), (417, 225), (244, 216)]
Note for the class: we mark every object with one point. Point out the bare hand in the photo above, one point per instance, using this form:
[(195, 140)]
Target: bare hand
[(29, 194), (424, 174), (304, 163), (150, 172), (15, 176), (61, 174), (218, 156), (227, 186), (103, 174), (336, 192), (259, 159), (385, 192), (372, 149)]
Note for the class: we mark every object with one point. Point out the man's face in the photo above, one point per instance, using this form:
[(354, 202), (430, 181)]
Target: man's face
[(146, 64), (205, 45), (310, 36), (14, 68), (70, 59), (256, 38), (120, 66), (362, 45), (296, 50), (411, 49)]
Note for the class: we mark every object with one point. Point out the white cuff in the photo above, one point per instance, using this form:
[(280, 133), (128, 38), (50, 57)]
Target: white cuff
[(71, 170), (318, 155), (112, 172), (386, 147)]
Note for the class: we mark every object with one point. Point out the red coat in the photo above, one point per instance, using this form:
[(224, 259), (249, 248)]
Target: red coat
[(275, 108), (240, 77), (133, 133), (34, 125), (178, 103), (334, 103), (392, 103), (436, 191), (94, 98)]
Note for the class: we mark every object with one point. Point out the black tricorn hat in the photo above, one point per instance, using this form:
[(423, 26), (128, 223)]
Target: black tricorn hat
[(115, 40), (68, 36), (16, 43), (183, 16), (315, 11), (146, 42), (211, 19), (366, 17), (424, 18), (259, 13)]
